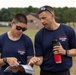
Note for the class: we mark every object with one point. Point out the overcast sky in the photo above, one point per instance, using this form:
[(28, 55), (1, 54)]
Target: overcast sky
[(37, 3)]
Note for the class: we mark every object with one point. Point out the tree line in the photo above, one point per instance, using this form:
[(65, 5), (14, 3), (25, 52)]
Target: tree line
[(64, 14)]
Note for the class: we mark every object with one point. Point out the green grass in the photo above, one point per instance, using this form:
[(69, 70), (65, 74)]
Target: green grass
[(31, 33)]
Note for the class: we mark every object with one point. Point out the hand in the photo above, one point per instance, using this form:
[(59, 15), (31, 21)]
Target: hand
[(12, 61), (34, 60), (59, 49)]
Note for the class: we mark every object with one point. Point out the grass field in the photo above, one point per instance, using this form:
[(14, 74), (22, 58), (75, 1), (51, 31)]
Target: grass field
[(31, 33)]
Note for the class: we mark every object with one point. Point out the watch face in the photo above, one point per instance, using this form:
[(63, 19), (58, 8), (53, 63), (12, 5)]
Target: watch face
[(67, 52), (5, 60)]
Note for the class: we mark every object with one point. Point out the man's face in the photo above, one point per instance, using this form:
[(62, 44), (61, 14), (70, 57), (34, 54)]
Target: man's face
[(18, 28), (46, 19)]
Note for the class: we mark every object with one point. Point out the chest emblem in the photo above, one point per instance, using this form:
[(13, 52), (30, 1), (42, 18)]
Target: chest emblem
[(21, 52), (63, 38)]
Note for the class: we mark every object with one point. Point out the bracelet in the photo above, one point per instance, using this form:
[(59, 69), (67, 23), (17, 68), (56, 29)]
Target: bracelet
[(5, 60), (67, 52)]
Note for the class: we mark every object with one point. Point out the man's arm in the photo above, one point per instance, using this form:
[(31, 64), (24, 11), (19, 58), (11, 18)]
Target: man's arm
[(71, 52), (62, 51)]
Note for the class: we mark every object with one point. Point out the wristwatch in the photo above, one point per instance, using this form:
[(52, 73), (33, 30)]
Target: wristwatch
[(67, 52), (5, 60)]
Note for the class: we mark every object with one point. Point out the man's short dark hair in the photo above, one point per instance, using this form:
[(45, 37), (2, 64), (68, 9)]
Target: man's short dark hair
[(19, 17), (46, 8)]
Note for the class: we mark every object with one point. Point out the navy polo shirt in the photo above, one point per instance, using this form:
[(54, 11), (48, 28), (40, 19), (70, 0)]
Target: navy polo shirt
[(44, 47), (19, 49)]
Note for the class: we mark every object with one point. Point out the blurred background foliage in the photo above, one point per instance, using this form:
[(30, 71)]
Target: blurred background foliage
[(64, 14)]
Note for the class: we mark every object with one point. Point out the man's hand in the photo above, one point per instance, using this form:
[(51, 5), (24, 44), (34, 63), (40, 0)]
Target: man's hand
[(36, 61), (59, 49)]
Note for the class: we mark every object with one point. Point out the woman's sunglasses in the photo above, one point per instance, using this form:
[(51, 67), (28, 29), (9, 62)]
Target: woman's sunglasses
[(20, 28)]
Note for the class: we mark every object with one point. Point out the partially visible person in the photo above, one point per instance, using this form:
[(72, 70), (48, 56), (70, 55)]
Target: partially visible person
[(44, 44), (15, 47)]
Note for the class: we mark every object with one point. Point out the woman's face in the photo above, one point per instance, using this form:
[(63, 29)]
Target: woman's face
[(18, 28)]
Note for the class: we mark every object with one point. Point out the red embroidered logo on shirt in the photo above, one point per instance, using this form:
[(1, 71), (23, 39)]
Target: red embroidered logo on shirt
[(63, 38), (21, 52)]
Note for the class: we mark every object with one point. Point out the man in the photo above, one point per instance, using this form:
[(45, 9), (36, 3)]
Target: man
[(44, 44), (15, 47)]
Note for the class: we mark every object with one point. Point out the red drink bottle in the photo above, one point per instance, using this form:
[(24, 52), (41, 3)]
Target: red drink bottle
[(57, 56)]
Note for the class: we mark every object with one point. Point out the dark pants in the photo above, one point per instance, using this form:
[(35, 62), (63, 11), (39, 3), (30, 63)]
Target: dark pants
[(43, 72)]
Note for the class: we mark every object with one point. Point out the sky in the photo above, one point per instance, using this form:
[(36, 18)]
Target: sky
[(36, 3)]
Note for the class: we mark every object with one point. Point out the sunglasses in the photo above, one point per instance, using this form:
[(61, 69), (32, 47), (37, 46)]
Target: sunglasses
[(20, 28), (44, 9)]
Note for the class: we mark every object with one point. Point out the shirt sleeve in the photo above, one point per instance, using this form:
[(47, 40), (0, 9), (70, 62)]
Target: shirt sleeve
[(38, 46), (72, 39)]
